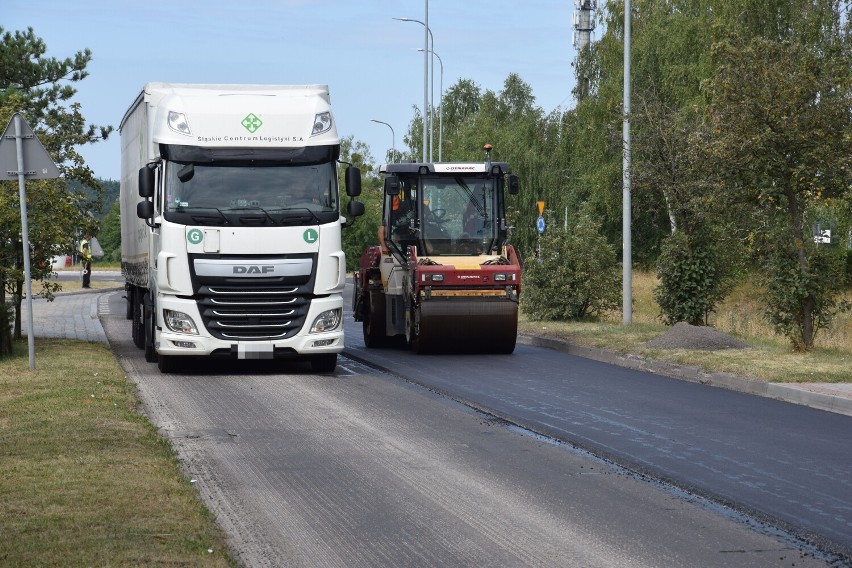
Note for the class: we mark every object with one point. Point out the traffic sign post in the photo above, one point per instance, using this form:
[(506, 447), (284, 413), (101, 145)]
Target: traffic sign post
[(540, 228), (15, 157)]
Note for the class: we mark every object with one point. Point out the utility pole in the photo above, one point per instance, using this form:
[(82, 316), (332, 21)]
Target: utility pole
[(627, 262), (426, 80)]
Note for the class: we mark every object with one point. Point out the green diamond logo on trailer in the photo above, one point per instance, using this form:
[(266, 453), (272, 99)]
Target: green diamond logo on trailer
[(252, 123)]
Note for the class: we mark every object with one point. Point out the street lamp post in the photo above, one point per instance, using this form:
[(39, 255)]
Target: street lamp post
[(426, 100), (627, 262), (440, 108), (393, 137)]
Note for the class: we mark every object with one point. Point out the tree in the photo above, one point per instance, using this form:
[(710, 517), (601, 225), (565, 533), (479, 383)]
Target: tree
[(110, 234), (363, 233), (782, 115), (42, 89)]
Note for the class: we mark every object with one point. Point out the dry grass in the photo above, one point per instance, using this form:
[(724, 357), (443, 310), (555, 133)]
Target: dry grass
[(741, 315), (86, 479)]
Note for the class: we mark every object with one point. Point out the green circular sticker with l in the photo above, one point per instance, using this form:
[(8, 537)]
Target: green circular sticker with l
[(311, 236), (195, 236)]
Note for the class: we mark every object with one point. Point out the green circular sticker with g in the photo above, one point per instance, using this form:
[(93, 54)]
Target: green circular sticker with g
[(195, 236)]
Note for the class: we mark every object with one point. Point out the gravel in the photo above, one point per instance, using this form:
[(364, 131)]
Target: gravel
[(685, 336)]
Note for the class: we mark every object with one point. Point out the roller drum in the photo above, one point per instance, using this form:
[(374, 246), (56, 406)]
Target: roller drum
[(467, 325)]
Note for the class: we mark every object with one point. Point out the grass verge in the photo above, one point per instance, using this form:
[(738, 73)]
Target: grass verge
[(770, 357), (86, 480)]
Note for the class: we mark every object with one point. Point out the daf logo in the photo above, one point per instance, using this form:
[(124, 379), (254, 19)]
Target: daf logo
[(253, 269)]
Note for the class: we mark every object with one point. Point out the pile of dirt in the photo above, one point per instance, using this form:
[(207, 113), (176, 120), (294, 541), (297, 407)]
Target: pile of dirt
[(685, 336)]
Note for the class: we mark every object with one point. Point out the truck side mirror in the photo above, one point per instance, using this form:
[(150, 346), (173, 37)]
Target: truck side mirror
[(145, 209), (514, 185), (391, 185), (355, 208), (146, 182), (186, 173), (353, 181)]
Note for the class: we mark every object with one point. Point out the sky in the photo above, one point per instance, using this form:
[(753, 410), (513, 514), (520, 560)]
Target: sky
[(369, 60)]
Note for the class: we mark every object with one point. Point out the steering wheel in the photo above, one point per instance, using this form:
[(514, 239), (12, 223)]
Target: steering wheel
[(437, 215)]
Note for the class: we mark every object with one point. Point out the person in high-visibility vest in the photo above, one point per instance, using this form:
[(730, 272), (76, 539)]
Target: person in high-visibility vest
[(86, 259)]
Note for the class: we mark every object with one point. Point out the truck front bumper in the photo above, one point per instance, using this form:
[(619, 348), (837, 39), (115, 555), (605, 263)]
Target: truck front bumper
[(303, 344)]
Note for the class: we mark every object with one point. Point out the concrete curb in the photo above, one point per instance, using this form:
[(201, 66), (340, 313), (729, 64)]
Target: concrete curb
[(785, 392)]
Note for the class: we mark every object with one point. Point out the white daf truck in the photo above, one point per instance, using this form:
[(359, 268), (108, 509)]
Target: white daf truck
[(231, 223)]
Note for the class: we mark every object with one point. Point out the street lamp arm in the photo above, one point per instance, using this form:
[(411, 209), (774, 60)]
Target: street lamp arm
[(431, 38), (393, 134)]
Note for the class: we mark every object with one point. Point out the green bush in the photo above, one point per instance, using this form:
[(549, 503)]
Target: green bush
[(694, 278), (803, 291), (576, 275)]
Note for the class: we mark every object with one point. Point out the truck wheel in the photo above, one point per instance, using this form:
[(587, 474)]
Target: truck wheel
[(137, 322), (324, 363), (148, 327), (167, 364), (129, 298)]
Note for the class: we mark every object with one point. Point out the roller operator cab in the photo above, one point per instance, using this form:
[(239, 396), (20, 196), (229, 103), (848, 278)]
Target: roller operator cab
[(231, 223), (444, 277)]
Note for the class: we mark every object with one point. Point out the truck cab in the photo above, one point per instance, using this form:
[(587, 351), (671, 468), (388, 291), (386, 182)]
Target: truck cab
[(231, 223)]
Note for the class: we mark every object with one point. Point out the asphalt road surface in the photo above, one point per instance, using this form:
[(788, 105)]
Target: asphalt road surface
[(787, 464), (360, 468)]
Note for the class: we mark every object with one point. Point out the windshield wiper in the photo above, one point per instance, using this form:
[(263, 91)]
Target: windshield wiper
[(480, 208), (298, 214), (202, 218), (255, 219)]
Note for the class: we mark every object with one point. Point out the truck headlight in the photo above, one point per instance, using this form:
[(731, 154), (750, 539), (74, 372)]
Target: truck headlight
[(329, 320), (179, 322), (322, 123)]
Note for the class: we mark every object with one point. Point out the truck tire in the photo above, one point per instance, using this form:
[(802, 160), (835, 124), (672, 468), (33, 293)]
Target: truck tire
[(325, 363), (137, 324), (167, 364), (148, 328), (129, 297)]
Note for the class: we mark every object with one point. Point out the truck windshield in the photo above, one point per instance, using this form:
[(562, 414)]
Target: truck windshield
[(251, 194), (457, 215)]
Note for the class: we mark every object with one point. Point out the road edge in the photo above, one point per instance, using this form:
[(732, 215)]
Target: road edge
[(757, 387)]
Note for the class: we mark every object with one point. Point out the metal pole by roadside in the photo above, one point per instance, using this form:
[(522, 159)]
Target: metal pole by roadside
[(25, 237)]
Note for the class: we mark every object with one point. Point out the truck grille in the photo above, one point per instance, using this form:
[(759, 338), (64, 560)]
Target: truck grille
[(253, 312)]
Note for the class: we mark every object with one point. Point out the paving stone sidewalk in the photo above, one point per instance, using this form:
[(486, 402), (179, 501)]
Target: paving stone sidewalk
[(72, 315)]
